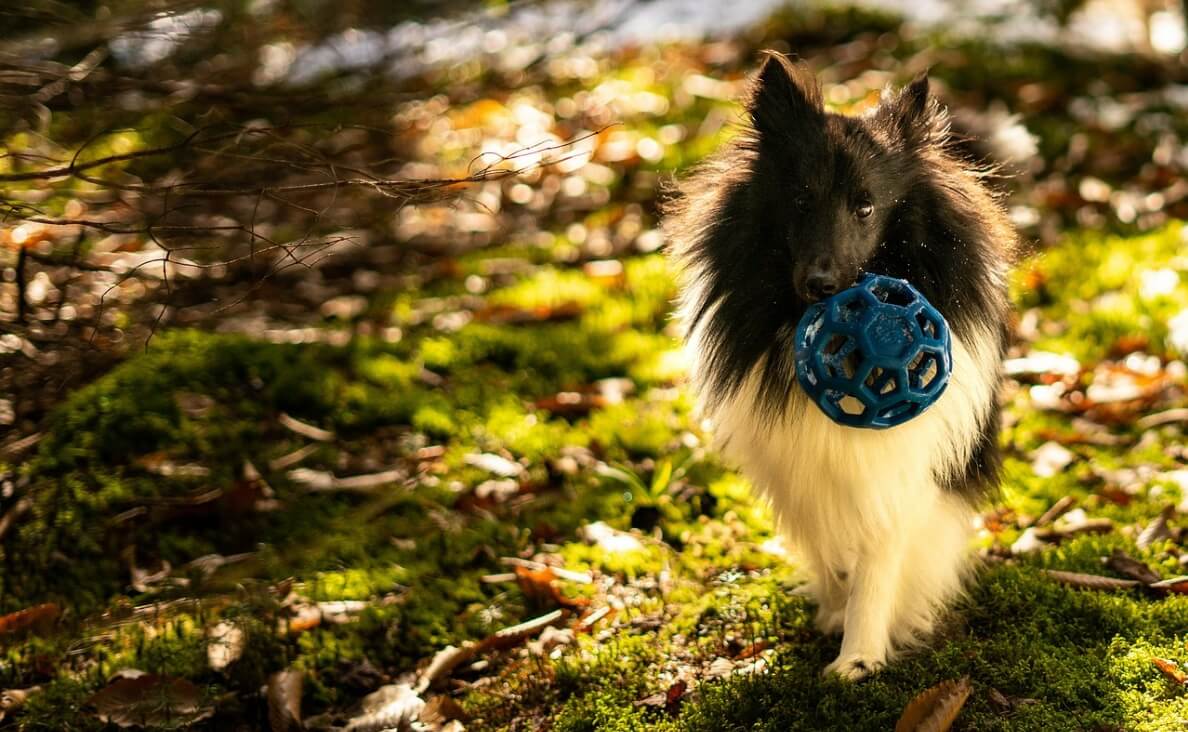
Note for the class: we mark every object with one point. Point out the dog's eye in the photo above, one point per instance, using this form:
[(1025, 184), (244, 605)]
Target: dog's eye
[(863, 209)]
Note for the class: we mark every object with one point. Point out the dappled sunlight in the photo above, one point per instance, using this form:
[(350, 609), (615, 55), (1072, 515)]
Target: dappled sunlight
[(340, 386)]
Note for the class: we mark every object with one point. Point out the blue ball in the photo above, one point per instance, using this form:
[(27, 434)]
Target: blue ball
[(875, 355)]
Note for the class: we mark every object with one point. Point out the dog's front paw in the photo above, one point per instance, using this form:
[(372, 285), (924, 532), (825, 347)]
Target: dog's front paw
[(853, 667)]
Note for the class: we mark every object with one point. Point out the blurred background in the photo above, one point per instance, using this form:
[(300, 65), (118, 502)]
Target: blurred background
[(338, 387)]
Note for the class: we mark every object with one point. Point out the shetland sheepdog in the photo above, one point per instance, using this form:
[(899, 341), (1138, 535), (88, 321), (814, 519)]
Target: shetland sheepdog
[(794, 209)]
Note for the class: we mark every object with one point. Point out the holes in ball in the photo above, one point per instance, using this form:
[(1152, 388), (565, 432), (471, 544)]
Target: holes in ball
[(927, 326), (840, 356), (852, 406), (881, 381), (924, 370), (851, 309), (894, 294)]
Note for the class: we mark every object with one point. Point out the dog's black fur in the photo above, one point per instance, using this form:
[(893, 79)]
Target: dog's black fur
[(803, 201)]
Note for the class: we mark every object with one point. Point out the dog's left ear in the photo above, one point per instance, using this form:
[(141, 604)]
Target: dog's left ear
[(914, 116), (785, 99)]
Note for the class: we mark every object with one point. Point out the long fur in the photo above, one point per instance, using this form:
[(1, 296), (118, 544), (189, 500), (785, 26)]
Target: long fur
[(883, 518)]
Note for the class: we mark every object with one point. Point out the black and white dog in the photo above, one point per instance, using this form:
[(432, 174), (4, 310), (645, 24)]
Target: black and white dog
[(791, 211)]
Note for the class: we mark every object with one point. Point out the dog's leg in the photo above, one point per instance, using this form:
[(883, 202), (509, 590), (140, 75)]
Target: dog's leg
[(870, 609), (933, 571), (829, 589)]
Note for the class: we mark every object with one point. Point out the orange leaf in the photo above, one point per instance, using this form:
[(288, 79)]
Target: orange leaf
[(1170, 670), (540, 586), (38, 615), (935, 709)]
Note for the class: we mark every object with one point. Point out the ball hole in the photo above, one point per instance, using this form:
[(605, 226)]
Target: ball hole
[(924, 369), (927, 326), (841, 357), (852, 406), (881, 381), (894, 294)]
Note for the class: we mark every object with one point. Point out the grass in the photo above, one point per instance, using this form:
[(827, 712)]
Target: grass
[(701, 584)]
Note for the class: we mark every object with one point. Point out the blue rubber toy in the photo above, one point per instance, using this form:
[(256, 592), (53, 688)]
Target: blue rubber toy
[(875, 355)]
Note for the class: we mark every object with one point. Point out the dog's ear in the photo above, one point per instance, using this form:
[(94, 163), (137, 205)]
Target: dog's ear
[(913, 116), (784, 97)]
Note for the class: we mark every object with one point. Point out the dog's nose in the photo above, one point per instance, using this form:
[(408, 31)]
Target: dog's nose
[(821, 285)]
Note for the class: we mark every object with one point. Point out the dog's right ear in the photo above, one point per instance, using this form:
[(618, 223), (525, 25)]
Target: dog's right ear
[(784, 98)]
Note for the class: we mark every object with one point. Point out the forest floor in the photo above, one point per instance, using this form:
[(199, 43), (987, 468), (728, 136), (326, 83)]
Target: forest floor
[(471, 494)]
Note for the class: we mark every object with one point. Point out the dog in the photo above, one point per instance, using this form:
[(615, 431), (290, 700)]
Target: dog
[(792, 210)]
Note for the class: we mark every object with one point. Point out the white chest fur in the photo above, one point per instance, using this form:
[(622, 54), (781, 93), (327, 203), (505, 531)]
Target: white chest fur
[(861, 503)]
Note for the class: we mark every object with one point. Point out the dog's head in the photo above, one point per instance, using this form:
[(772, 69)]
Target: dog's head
[(828, 188)]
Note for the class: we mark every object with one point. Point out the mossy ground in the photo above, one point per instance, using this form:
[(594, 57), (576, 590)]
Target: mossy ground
[(568, 371), (703, 585)]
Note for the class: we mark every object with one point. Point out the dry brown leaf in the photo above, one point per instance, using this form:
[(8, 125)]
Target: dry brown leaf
[(540, 586), (394, 706), (150, 700), (1177, 585), (1057, 509), (1128, 566), (13, 699), (284, 701), (1090, 581), (36, 617), (1156, 530), (935, 709), (441, 709), (512, 315), (752, 650), (449, 658), (1171, 670), (669, 700), (443, 664), (305, 429)]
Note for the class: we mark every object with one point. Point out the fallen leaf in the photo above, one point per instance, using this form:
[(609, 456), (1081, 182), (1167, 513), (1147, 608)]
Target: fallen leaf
[(1171, 670), (935, 709), (225, 644), (752, 650), (540, 586), (571, 403), (1126, 565), (1170, 416), (13, 699), (1051, 458), (512, 315), (441, 709), (1156, 530), (288, 460), (1057, 509), (719, 668), (608, 539), (36, 617), (394, 706), (1039, 363), (669, 701), (496, 464), (449, 658), (1029, 541), (1090, 581), (284, 701), (443, 664), (305, 429), (150, 700), (1177, 585), (317, 481)]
